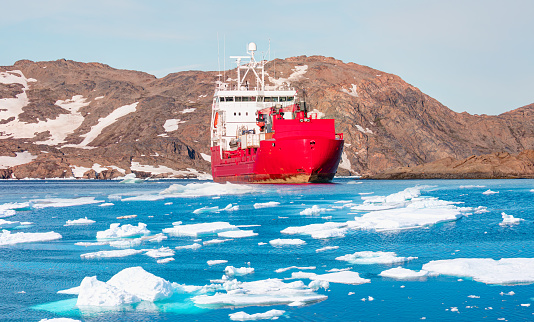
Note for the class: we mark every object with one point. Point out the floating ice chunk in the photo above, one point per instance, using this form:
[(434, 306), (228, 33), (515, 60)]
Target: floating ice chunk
[(63, 202), (486, 270), (324, 249), (319, 231), (269, 315), (7, 238), (215, 241), (509, 220), (117, 231), (9, 209), (157, 238), (473, 296), (314, 210), (404, 218), (111, 253), (345, 277), (130, 178), (400, 273), (217, 262), (316, 285), (207, 189), (525, 304), (81, 221), (142, 284), (262, 292), (96, 293), (283, 242), (230, 207), (266, 204), (205, 210), (237, 234), (165, 260), (233, 271), (480, 210), (281, 270), (106, 204), (91, 243), (160, 252), (8, 224), (194, 230), (302, 275), (511, 293), (368, 257), (193, 246), (489, 192)]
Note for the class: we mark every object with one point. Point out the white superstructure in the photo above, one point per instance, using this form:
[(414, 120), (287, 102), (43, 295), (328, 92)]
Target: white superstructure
[(237, 101)]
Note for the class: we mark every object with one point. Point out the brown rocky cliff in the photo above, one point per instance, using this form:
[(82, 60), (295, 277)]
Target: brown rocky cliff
[(387, 123)]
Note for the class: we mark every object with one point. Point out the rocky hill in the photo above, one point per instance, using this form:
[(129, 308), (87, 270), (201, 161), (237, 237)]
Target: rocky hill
[(69, 119)]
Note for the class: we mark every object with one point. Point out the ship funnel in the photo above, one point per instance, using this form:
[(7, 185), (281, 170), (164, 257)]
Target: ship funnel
[(252, 47)]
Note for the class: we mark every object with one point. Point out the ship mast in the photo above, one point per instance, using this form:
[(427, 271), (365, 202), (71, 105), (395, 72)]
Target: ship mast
[(250, 65)]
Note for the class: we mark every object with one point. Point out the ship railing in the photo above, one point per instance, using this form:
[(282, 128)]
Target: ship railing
[(339, 136)]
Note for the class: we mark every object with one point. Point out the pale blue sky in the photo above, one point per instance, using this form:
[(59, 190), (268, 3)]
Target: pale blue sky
[(474, 56)]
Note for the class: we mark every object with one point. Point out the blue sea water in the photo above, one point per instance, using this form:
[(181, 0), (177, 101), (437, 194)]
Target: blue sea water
[(31, 274)]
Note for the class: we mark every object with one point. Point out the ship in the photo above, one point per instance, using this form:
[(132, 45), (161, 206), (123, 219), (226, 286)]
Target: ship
[(266, 134)]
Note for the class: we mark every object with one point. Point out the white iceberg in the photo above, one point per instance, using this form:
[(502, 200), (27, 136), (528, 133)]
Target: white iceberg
[(233, 271), (193, 246), (319, 231), (111, 253), (96, 293), (217, 262), (489, 192), (486, 270), (509, 220), (400, 273), (369, 257), (81, 221), (142, 284), (283, 242), (160, 252), (117, 231), (63, 202), (237, 234), (8, 238), (9, 209), (194, 230), (314, 210), (326, 248), (269, 204), (262, 292), (243, 316)]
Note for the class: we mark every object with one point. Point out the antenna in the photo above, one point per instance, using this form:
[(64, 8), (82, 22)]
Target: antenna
[(218, 57), (224, 59)]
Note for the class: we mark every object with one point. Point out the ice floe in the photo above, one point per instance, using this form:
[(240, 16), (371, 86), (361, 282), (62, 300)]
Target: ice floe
[(369, 257), (160, 252), (486, 270), (106, 204), (8, 238), (319, 231), (266, 204), (216, 262), (194, 230), (192, 246), (508, 220), (401, 273), (111, 253), (314, 210), (62, 202), (81, 221), (165, 260), (489, 192), (9, 209), (215, 241), (233, 271), (117, 231), (206, 210), (243, 316), (262, 292), (4, 224), (237, 234), (283, 242)]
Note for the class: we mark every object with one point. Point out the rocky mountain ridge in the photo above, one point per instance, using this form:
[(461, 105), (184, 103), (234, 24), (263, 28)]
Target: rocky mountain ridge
[(63, 119)]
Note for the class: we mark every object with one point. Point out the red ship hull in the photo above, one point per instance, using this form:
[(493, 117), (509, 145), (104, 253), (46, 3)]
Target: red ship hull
[(301, 151)]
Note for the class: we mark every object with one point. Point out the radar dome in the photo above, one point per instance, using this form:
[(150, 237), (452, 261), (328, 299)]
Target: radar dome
[(252, 47)]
